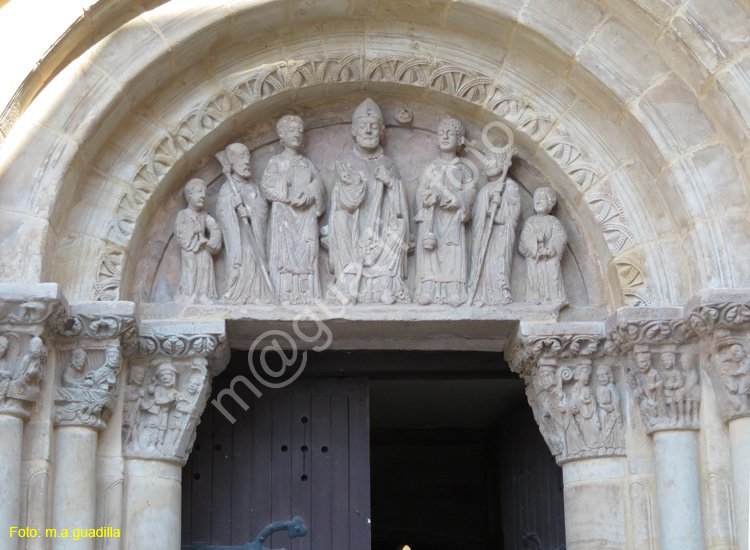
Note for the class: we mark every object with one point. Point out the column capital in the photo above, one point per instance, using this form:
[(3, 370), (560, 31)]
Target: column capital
[(571, 387), (168, 386), (28, 313), (89, 346), (662, 365), (722, 319)]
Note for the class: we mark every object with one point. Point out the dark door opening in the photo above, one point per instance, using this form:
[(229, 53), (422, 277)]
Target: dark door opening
[(431, 450)]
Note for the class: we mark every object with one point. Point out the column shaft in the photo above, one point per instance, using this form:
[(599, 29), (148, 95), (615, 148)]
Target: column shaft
[(74, 499), (153, 505), (594, 497), (11, 440), (739, 434), (678, 490)]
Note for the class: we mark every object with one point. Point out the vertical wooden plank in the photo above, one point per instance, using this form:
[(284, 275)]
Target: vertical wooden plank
[(242, 474), (340, 480), (281, 486), (321, 473), (262, 449), (201, 482), (359, 463), (221, 479), (301, 427)]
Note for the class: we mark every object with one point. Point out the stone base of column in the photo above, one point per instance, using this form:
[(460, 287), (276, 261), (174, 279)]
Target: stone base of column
[(594, 495), (739, 434), (11, 440), (678, 490), (153, 505), (74, 501)]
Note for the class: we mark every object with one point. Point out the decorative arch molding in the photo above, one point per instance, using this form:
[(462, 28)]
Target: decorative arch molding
[(586, 178)]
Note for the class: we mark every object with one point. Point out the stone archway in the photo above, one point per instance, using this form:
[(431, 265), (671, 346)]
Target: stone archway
[(634, 115)]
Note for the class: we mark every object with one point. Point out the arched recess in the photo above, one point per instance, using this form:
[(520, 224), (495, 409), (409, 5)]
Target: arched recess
[(109, 96)]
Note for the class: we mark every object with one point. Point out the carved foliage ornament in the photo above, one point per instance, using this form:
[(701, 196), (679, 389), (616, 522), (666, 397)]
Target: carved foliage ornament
[(275, 78), (706, 318)]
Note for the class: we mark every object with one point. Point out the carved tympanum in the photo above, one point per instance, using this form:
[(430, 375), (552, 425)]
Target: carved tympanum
[(494, 222), (292, 185), (369, 222), (20, 381), (542, 243), (159, 418), (87, 397), (199, 238), (444, 200)]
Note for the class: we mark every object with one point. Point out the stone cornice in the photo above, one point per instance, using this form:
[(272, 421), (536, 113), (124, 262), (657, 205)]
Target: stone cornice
[(28, 305), (102, 321), (629, 327)]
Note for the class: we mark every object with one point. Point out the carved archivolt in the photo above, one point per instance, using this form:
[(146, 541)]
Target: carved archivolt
[(434, 74)]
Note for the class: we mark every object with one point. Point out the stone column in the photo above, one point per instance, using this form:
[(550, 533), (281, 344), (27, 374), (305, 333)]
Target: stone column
[(27, 312), (168, 386), (664, 380), (722, 319), (89, 352), (572, 390)]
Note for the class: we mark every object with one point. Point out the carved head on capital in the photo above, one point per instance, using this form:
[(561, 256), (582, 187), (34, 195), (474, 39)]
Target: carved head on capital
[(290, 129), (237, 157), (583, 371), (36, 346), (642, 358), (78, 359), (368, 125), (137, 375), (547, 369), (669, 358), (166, 375), (194, 383), (604, 375)]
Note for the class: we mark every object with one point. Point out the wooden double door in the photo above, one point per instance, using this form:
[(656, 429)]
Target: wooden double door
[(300, 451)]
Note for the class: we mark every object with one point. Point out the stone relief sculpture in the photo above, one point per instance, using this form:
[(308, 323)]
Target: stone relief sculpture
[(668, 397), (133, 399), (242, 213), (576, 420), (583, 407), (444, 200), (159, 420), (734, 366), (292, 185), (542, 243), (199, 238), (368, 229), (547, 398), (87, 399), (494, 222), (20, 385), (610, 414)]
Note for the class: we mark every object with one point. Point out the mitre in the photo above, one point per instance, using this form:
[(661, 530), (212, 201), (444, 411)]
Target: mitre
[(367, 108)]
